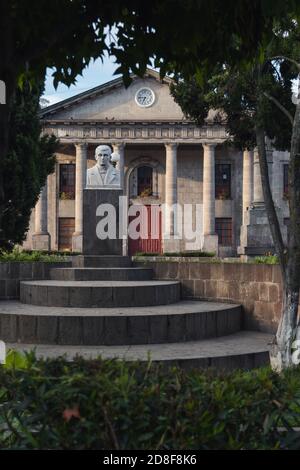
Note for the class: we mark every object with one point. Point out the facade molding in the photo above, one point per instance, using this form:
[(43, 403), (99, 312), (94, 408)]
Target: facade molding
[(158, 132)]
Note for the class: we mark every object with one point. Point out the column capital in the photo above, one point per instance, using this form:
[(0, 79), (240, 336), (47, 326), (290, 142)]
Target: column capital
[(210, 145), (118, 144), (82, 145), (171, 145)]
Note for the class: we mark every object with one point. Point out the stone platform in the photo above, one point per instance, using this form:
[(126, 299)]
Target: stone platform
[(243, 350), (99, 293), (182, 321), (104, 306)]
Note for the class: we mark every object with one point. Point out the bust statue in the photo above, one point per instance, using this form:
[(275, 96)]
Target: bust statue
[(103, 174)]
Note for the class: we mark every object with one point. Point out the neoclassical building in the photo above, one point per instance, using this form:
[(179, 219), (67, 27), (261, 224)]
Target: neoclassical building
[(164, 159)]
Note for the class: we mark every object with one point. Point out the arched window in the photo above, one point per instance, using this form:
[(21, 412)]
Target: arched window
[(144, 181)]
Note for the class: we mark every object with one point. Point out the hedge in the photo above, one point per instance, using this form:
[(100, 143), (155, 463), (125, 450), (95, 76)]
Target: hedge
[(110, 404)]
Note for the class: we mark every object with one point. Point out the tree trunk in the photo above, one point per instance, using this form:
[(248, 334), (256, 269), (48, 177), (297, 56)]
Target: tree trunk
[(281, 354), (268, 199)]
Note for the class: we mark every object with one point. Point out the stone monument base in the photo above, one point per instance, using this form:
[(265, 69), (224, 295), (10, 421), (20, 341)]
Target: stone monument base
[(92, 244), (41, 241), (255, 237), (77, 241)]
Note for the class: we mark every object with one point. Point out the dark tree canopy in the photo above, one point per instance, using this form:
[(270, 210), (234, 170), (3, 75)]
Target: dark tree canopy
[(244, 98), (180, 35)]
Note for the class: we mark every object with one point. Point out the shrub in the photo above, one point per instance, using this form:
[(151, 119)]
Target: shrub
[(110, 404), (25, 255), (184, 254), (268, 259)]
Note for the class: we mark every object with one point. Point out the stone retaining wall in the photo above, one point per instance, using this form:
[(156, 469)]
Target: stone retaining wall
[(12, 272), (256, 286)]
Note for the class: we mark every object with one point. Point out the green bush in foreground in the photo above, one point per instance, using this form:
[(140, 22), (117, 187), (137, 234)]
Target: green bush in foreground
[(31, 256), (184, 254), (110, 404)]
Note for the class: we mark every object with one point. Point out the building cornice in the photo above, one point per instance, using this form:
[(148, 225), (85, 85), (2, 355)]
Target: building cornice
[(135, 131)]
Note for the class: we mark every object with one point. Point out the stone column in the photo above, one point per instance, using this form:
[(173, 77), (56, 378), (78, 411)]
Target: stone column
[(80, 180), (210, 242), (120, 149), (170, 244), (247, 181), (41, 237), (258, 196)]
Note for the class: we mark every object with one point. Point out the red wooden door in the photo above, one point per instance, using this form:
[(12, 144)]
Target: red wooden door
[(151, 243), (66, 228)]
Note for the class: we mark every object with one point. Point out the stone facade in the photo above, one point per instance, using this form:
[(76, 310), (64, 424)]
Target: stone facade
[(182, 158)]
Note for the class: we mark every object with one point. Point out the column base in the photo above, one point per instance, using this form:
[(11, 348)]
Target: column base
[(171, 245), (77, 241), (211, 244), (41, 241)]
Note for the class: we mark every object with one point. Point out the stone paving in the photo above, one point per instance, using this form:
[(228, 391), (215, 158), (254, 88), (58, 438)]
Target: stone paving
[(243, 343)]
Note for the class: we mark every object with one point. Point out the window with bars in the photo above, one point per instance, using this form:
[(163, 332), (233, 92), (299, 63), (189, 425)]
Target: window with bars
[(224, 231), (223, 180), (286, 180), (67, 181), (144, 181)]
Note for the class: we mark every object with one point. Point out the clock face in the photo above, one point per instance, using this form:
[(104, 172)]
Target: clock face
[(144, 97)]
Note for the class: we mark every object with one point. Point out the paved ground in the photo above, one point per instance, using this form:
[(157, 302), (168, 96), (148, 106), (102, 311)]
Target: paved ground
[(182, 307), (244, 342)]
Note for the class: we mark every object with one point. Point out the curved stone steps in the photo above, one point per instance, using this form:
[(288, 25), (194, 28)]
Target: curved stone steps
[(101, 274), (55, 293), (101, 261), (180, 322), (244, 350)]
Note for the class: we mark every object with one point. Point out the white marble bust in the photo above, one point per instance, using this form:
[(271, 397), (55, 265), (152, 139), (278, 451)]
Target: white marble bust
[(103, 174)]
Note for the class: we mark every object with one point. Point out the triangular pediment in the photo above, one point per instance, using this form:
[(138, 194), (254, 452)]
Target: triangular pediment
[(113, 102)]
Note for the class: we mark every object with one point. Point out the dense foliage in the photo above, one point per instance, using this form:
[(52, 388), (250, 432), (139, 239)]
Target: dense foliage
[(17, 255), (110, 404), (248, 97), (29, 160), (184, 254)]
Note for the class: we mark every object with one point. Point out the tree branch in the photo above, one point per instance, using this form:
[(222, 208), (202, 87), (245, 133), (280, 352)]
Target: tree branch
[(282, 57), (280, 106)]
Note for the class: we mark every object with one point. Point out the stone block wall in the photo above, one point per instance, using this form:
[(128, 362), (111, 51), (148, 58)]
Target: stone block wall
[(256, 286), (12, 272)]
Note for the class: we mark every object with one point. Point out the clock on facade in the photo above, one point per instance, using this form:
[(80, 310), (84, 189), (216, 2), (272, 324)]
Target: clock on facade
[(144, 97)]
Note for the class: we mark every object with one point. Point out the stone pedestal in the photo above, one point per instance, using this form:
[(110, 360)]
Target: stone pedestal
[(94, 212), (255, 232), (41, 241), (255, 236)]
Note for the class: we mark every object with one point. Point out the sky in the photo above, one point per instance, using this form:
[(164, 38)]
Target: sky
[(95, 74)]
